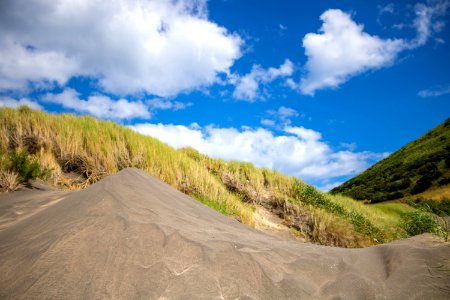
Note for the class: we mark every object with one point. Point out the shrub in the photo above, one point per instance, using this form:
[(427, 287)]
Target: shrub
[(308, 194), (8, 181), (421, 185), (444, 181), (26, 168), (418, 222), (440, 208)]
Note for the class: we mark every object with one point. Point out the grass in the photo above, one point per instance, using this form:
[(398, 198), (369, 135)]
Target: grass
[(79, 150), (94, 149), (220, 207)]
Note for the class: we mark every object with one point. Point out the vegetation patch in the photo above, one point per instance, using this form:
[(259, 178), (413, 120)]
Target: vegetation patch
[(18, 167), (418, 222), (309, 195), (220, 207), (440, 208)]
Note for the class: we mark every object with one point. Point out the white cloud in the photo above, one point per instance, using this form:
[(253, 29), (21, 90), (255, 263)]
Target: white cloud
[(435, 92), (280, 117), (159, 47), (425, 22), (304, 133), (248, 86), (165, 104), (19, 66), (284, 112), (268, 122), (99, 106), (341, 50), (301, 153), (386, 9), (11, 102)]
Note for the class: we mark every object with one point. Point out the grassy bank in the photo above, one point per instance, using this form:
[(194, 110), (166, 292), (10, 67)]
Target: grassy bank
[(422, 165), (73, 152)]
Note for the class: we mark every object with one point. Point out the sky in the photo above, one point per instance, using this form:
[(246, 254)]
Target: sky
[(319, 90)]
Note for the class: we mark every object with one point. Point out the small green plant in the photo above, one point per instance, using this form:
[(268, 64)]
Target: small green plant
[(418, 222), (222, 208), (26, 168)]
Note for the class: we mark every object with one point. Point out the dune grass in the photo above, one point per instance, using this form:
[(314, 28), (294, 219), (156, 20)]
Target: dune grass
[(77, 151), (94, 149)]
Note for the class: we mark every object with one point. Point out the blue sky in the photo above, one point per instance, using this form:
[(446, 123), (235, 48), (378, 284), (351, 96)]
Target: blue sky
[(314, 89)]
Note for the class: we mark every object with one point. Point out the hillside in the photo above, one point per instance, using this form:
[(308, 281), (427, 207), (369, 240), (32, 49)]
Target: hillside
[(73, 152), (421, 165), (131, 236)]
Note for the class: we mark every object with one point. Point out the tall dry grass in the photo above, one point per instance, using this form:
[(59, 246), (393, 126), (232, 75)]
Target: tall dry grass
[(81, 150)]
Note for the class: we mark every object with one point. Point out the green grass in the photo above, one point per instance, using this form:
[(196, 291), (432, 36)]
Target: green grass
[(66, 144), (213, 204)]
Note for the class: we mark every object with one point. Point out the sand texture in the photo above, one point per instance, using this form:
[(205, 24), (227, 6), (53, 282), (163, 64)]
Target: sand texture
[(131, 236)]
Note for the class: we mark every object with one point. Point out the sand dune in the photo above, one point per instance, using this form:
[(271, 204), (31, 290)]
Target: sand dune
[(131, 236)]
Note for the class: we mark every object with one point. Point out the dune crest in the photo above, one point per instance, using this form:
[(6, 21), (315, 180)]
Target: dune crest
[(132, 236)]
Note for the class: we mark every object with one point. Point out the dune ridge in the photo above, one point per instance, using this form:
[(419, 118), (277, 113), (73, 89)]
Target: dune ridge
[(132, 236)]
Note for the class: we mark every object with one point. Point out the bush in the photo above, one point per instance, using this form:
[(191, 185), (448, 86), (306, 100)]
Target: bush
[(26, 168), (421, 185), (444, 181), (8, 181), (418, 222), (309, 195), (440, 208)]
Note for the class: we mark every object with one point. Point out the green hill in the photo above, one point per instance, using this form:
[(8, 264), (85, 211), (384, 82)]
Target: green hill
[(72, 152), (417, 167)]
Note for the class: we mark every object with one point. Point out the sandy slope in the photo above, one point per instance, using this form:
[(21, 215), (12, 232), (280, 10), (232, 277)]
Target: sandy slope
[(132, 236)]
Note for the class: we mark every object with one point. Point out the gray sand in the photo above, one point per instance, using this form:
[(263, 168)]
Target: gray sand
[(131, 236)]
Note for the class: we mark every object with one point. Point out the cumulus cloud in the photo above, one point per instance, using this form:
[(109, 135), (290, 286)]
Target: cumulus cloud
[(248, 86), (99, 106), (11, 102), (298, 151), (435, 92), (341, 50), (158, 47), (21, 66)]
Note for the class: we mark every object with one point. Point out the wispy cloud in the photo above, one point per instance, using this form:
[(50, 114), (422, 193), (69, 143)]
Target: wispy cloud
[(280, 117), (388, 8), (167, 104), (435, 92), (426, 22)]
